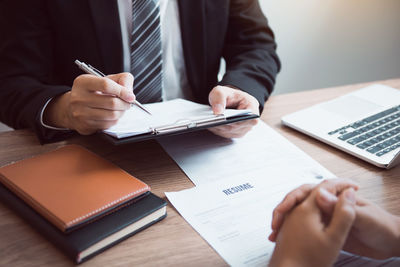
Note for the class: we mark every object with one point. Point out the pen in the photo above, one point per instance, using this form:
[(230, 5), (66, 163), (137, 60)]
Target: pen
[(92, 70)]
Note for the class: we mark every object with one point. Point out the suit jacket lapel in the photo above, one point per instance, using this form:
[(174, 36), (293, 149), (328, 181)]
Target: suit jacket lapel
[(108, 31), (192, 16)]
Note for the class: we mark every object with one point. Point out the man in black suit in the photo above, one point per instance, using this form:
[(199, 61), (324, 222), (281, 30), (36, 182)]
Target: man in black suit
[(41, 88)]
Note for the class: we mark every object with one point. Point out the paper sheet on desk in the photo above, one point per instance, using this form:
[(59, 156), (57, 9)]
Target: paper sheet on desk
[(205, 157), (237, 224)]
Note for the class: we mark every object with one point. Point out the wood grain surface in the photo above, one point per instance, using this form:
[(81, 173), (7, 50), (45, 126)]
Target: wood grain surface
[(172, 241)]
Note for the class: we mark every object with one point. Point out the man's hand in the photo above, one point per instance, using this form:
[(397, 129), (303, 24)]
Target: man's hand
[(222, 97), (94, 103), (306, 239)]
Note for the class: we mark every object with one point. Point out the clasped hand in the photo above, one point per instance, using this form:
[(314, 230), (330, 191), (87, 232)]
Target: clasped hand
[(314, 222)]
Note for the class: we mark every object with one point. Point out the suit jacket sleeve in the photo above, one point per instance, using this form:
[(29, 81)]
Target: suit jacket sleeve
[(251, 60), (26, 61)]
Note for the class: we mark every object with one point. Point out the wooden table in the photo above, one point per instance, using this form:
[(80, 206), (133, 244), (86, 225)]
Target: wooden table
[(172, 241)]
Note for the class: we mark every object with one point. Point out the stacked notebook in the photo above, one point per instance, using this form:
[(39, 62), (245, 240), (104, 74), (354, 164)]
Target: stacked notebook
[(79, 201)]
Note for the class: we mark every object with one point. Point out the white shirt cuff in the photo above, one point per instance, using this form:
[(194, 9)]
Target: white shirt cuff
[(48, 126)]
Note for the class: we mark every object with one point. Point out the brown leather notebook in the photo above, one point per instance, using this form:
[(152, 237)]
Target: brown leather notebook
[(71, 186)]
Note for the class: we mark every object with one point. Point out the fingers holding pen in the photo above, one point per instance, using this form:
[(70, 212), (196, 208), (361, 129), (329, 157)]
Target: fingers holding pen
[(96, 103), (87, 120), (107, 85), (101, 101)]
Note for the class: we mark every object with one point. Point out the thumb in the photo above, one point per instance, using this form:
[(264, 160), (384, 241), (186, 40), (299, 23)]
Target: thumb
[(126, 80), (343, 217), (217, 99), (326, 201)]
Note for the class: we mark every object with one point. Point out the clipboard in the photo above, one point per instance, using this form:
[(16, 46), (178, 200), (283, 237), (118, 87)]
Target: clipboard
[(181, 127)]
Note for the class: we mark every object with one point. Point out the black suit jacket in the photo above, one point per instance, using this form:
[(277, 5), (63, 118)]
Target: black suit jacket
[(40, 40)]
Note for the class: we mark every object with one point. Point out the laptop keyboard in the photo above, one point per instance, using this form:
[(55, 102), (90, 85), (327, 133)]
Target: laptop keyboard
[(378, 134)]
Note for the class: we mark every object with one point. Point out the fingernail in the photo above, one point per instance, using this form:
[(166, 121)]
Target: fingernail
[(350, 195), (326, 195), (219, 109), (270, 237)]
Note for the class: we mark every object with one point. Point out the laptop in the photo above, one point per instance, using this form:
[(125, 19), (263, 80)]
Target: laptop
[(364, 123)]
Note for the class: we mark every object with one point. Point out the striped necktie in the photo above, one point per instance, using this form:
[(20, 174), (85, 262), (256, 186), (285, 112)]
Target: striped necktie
[(146, 54)]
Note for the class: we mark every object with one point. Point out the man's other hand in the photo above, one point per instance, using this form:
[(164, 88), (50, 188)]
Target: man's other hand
[(222, 97)]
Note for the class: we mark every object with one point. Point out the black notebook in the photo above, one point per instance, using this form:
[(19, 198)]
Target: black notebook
[(97, 236)]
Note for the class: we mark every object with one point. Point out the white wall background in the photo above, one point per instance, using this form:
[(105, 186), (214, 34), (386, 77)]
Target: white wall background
[(325, 43)]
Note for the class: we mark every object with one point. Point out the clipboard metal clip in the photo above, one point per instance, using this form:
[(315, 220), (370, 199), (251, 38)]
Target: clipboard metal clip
[(182, 125)]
